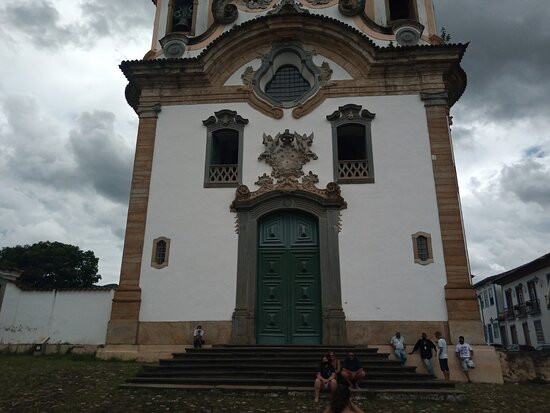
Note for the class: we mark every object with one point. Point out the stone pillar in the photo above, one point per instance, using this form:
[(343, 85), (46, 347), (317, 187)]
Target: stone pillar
[(460, 296), (123, 326)]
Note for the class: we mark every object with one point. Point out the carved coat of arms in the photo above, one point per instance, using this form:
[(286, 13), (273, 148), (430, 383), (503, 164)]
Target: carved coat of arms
[(287, 153)]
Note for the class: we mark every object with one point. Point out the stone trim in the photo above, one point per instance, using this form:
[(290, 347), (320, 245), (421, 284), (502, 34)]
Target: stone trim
[(328, 215), (375, 71), (154, 263), (416, 256), (122, 327), (460, 296)]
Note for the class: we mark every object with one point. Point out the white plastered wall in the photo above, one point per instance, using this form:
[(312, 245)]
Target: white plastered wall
[(74, 317), (380, 280)]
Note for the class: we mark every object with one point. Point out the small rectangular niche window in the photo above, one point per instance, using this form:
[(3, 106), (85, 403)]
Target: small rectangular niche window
[(161, 249), (401, 10), (224, 147), (422, 248), (182, 16)]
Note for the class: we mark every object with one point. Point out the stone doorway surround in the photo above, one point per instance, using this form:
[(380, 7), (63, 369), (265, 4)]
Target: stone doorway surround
[(286, 153)]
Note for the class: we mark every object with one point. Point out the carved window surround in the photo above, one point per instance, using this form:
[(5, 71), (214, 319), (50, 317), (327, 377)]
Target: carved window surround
[(154, 258), (229, 174), (294, 55), (363, 170), (415, 241)]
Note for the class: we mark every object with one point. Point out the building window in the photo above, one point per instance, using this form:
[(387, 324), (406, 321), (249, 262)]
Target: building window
[(288, 77), (486, 298), (491, 297), (495, 330), (514, 334), (539, 331), (352, 144), (287, 85), (401, 10), (161, 250), (182, 16), (224, 148), (422, 248)]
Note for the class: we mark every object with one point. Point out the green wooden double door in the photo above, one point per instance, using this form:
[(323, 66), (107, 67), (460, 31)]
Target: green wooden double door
[(288, 309)]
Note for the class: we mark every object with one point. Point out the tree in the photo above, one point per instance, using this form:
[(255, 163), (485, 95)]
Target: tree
[(49, 264)]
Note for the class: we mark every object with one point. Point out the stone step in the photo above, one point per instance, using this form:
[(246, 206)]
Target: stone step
[(384, 394), (393, 368), (281, 374), (260, 381)]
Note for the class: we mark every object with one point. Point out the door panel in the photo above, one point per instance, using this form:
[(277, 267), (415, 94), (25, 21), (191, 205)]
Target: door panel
[(289, 305)]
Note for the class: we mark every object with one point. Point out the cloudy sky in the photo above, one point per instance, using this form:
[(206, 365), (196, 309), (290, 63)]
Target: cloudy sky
[(67, 135)]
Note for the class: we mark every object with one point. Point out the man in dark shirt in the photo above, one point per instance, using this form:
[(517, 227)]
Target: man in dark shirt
[(352, 372), (426, 346)]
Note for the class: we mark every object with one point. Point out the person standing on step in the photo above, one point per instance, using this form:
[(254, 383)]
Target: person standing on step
[(399, 346), (464, 352), (198, 337), (326, 378), (341, 402), (442, 355), (352, 372), (425, 346)]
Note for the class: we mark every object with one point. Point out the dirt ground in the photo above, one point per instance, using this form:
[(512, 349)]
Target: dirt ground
[(82, 384)]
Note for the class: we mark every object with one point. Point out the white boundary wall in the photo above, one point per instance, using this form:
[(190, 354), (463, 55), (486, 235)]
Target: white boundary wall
[(75, 317)]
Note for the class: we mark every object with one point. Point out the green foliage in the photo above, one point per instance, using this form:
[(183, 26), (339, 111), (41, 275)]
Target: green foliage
[(49, 264), (444, 35)]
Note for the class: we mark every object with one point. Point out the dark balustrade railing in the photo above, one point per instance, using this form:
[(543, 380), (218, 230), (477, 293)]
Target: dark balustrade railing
[(533, 306), (509, 313), (520, 310)]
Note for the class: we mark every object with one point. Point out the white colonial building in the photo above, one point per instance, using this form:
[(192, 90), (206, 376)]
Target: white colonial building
[(294, 180), (526, 298), (491, 307)]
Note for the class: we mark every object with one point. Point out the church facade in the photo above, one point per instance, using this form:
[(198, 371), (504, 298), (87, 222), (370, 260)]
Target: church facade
[(294, 181)]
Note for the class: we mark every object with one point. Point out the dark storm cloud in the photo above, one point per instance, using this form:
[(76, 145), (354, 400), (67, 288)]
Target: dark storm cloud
[(507, 61), (529, 180), (94, 157), (103, 159), (41, 21)]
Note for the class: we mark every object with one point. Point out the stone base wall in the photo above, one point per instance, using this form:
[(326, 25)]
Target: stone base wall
[(525, 366), (50, 348)]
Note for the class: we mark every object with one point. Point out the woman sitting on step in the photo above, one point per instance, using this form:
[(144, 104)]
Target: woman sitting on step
[(326, 378), (335, 363)]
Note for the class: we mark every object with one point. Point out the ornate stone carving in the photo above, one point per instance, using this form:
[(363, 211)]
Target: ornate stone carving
[(318, 2), (325, 74), (247, 76), (288, 7), (407, 32), (287, 153), (224, 12), (173, 45), (258, 4), (351, 7), (351, 112), (225, 118)]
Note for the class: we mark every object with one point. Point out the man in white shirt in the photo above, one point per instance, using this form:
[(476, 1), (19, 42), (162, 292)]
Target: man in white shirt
[(399, 345), (442, 354), (465, 353)]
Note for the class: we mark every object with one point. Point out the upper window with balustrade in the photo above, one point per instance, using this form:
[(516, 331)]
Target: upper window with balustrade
[(352, 145)]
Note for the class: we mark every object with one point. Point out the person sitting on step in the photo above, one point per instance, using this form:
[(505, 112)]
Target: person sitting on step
[(352, 372), (335, 362), (326, 378)]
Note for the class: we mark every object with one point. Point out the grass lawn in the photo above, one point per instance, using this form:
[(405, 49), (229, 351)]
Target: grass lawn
[(82, 384)]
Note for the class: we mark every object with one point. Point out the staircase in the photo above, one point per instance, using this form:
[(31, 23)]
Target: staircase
[(287, 368)]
